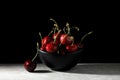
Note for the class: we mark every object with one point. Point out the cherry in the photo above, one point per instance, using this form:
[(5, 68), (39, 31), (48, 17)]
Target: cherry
[(30, 65), (72, 48), (56, 36), (46, 40), (43, 47), (65, 39), (56, 42), (51, 47)]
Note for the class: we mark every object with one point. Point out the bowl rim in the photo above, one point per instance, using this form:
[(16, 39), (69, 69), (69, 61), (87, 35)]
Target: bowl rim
[(80, 50)]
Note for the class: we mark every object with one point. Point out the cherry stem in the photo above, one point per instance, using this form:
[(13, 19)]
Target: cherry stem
[(35, 56), (54, 33), (75, 28), (72, 43), (50, 32), (40, 35), (56, 24), (85, 36), (60, 44), (57, 35), (68, 28), (36, 53), (64, 30)]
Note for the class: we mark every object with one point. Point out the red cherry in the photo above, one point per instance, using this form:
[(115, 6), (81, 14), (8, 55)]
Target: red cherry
[(72, 48), (66, 39), (51, 47), (46, 40), (56, 36), (43, 47), (29, 65), (57, 42)]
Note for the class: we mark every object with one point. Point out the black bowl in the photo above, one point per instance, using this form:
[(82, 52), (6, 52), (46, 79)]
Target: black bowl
[(60, 62)]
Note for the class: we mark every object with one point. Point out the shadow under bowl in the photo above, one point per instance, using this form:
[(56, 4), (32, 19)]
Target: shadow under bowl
[(60, 62)]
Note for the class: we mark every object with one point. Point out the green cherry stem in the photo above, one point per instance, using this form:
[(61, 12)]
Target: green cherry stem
[(72, 43), (40, 38), (68, 28), (36, 53), (85, 36), (34, 56), (53, 20), (75, 28), (56, 24), (51, 32), (40, 35), (57, 35), (64, 30)]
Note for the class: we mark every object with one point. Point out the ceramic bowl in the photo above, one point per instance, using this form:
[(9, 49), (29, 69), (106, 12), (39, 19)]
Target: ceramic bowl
[(60, 62)]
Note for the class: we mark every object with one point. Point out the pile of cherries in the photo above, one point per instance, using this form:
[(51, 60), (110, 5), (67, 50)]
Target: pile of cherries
[(58, 41)]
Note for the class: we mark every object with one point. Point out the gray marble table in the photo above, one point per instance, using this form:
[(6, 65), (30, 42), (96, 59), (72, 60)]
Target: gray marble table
[(82, 71)]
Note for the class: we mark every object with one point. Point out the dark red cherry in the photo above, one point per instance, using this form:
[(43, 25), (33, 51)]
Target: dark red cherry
[(46, 40), (65, 39), (56, 36), (51, 47), (29, 65), (72, 48)]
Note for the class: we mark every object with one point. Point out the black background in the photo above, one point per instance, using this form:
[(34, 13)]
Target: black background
[(20, 27)]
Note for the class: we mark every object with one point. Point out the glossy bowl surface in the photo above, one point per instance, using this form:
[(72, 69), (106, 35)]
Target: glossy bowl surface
[(60, 62)]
